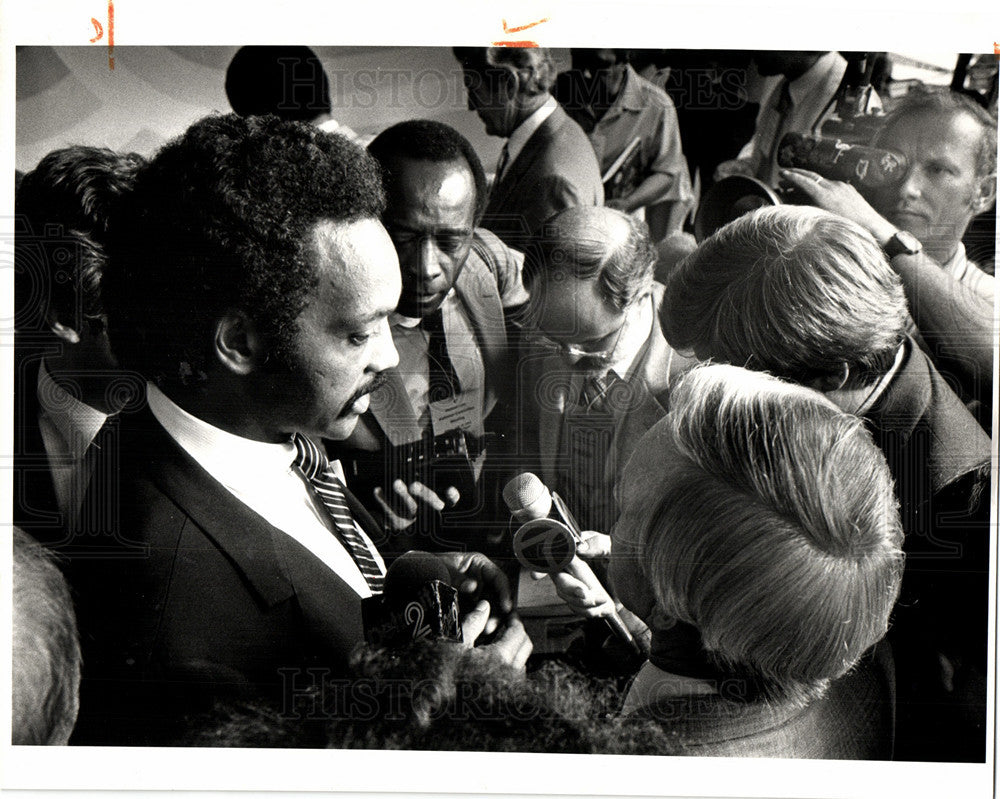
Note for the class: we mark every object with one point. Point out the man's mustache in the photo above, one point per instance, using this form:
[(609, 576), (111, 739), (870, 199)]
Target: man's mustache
[(376, 383)]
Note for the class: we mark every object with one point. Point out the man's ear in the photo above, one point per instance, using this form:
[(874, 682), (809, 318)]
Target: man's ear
[(239, 346), (62, 331), (986, 194), (833, 381)]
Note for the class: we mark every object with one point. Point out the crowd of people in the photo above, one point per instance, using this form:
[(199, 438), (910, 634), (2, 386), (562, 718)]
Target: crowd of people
[(259, 369)]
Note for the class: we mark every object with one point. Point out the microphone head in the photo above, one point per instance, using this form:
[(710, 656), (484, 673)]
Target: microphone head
[(527, 497), (544, 545), (418, 602), (410, 572)]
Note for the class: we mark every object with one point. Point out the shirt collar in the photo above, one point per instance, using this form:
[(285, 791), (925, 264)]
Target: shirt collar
[(526, 129), (230, 459), (635, 339), (76, 422), (630, 96)]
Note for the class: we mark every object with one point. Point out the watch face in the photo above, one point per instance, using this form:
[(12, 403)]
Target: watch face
[(903, 243)]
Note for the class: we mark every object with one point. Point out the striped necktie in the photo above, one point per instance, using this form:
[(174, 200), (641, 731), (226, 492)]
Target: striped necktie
[(314, 466)]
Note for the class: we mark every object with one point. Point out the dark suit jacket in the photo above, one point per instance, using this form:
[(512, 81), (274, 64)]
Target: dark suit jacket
[(940, 459), (557, 169), (201, 599)]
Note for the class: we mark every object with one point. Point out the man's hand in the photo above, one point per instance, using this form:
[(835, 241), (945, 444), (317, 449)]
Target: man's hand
[(401, 506), (512, 645), (619, 204), (842, 199), (478, 577), (579, 588)]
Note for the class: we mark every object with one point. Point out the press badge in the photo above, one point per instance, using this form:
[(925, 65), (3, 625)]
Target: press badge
[(459, 412)]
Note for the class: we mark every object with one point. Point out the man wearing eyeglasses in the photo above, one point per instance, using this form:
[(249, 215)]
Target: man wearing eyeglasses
[(599, 368)]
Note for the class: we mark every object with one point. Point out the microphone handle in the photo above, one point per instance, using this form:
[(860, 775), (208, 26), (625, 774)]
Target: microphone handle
[(582, 571), (614, 621), (567, 517)]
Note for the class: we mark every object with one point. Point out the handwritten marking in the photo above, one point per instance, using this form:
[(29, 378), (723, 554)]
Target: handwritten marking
[(517, 29), (111, 33)]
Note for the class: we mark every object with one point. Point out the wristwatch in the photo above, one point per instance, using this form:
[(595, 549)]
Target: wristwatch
[(902, 242)]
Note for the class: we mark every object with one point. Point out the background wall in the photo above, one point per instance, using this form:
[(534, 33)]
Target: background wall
[(67, 95)]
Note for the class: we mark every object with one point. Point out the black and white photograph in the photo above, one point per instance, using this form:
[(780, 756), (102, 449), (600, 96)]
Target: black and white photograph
[(480, 410)]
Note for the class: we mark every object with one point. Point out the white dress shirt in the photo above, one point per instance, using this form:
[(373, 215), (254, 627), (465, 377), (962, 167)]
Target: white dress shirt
[(519, 138), (68, 426), (260, 475)]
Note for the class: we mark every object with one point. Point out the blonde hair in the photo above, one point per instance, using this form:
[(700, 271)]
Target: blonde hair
[(778, 536), (791, 290)]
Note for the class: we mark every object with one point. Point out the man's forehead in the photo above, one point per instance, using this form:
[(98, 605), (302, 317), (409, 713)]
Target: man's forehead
[(947, 127), (413, 176)]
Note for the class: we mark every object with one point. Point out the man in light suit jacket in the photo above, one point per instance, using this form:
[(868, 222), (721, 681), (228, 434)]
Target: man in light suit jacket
[(547, 163), (251, 283)]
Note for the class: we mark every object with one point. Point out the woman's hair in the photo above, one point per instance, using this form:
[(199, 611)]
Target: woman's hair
[(778, 536)]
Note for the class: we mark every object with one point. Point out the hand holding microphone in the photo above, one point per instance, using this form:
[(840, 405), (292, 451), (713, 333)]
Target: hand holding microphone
[(550, 546), (420, 602)]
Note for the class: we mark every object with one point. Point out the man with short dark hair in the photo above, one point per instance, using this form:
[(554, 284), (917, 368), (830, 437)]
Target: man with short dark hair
[(950, 145), (547, 163), (288, 81), (461, 285), (616, 107), (68, 385), (252, 285)]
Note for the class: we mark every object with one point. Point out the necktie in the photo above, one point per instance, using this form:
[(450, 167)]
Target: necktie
[(592, 392), (315, 468), (502, 163), (441, 376)]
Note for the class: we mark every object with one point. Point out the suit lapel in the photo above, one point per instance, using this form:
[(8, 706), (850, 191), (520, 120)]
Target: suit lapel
[(244, 536), (525, 162), (550, 417)]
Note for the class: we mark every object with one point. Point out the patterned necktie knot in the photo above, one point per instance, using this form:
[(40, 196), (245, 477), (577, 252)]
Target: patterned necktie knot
[(315, 467), (310, 459)]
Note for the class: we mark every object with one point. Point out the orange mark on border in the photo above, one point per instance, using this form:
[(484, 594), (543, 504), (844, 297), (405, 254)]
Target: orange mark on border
[(518, 29), (996, 50), (111, 34)]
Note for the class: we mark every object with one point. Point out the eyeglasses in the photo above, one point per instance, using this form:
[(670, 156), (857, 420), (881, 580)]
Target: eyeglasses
[(592, 350)]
